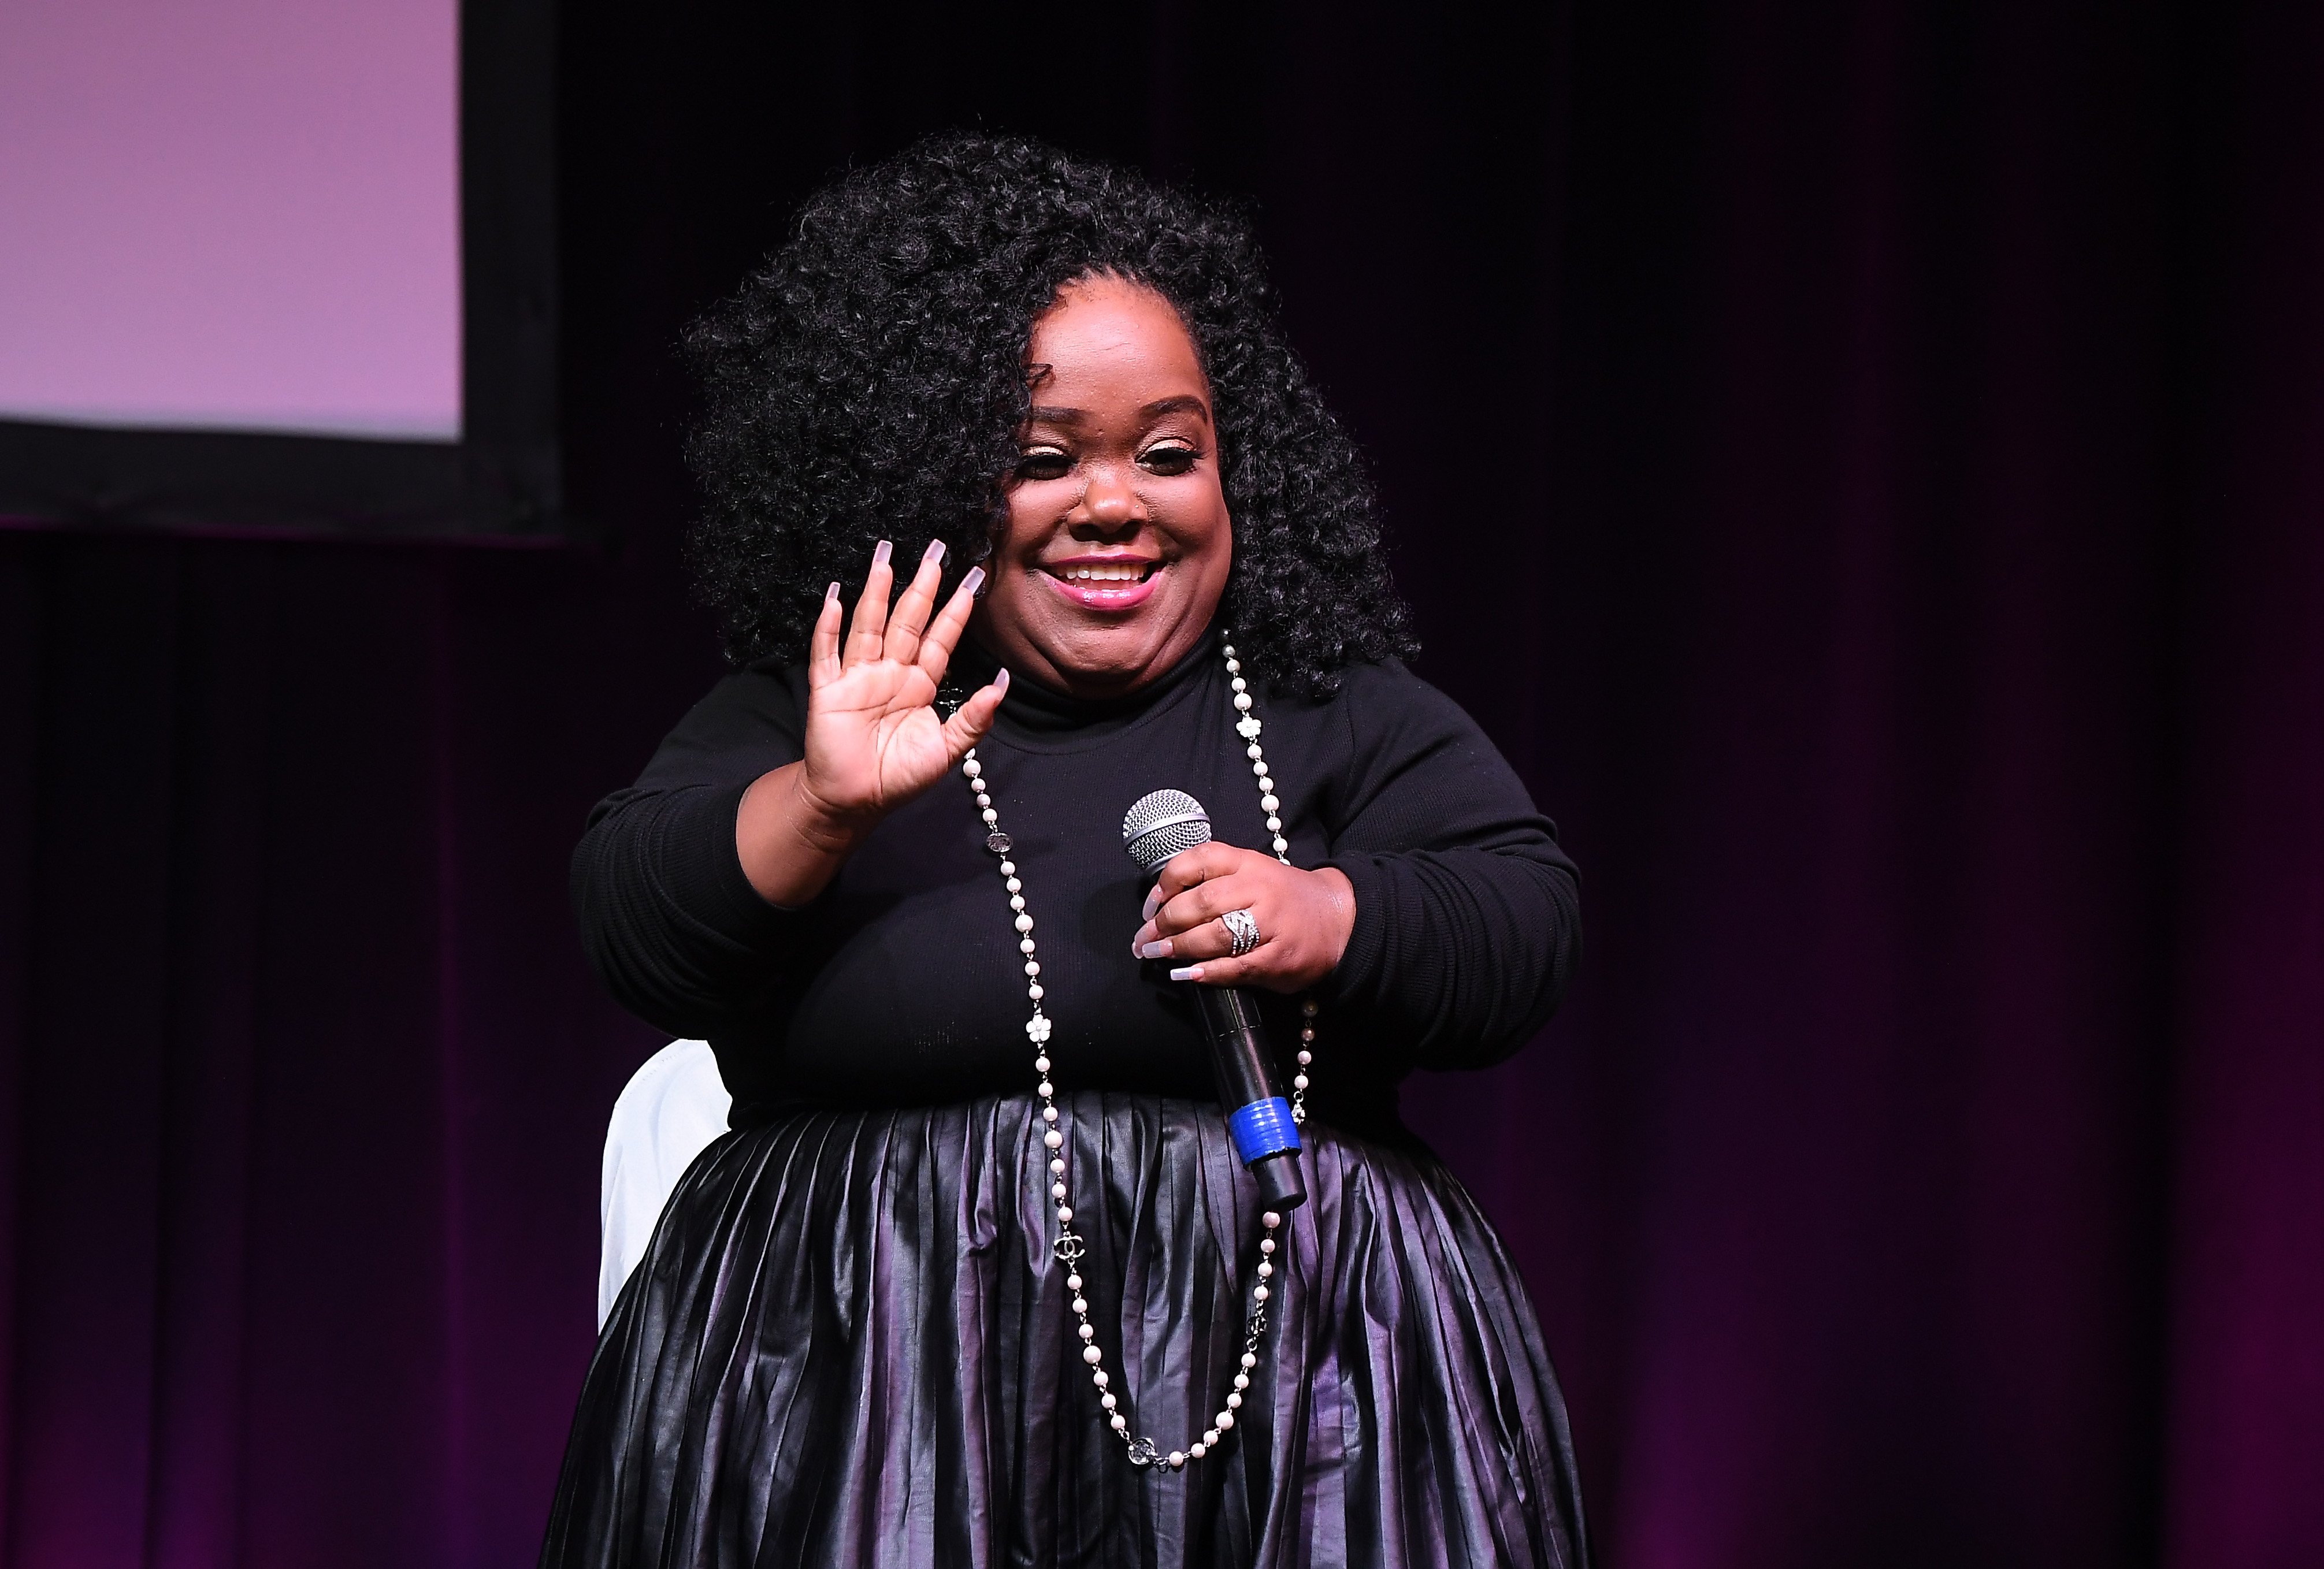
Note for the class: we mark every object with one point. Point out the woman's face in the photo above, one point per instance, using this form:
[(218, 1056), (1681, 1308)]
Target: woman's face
[(1117, 544)]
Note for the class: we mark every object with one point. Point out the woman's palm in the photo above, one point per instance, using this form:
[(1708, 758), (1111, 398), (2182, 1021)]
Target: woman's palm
[(874, 738)]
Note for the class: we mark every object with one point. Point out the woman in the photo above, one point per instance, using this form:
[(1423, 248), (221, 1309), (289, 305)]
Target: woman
[(976, 1277)]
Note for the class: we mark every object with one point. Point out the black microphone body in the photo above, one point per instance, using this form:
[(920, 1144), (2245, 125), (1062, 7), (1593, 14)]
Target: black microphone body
[(1244, 1067), (1259, 1118)]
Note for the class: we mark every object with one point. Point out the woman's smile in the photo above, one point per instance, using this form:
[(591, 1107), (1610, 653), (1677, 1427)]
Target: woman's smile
[(1105, 583)]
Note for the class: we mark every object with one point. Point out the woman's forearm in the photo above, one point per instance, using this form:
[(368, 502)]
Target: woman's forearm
[(1464, 952)]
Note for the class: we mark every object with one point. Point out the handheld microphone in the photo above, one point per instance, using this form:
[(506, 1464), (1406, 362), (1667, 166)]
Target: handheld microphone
[(1259, 1119)]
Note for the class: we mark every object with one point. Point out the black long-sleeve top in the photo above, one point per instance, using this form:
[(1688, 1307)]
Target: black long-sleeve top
[(901, 983)]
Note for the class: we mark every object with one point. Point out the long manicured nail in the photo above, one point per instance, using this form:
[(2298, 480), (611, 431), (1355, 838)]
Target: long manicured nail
[(1153, 903), (1000, 680), (935, 552), (972, 580), (831, 594), (1155, 949), (1191, 972), (881, 552)]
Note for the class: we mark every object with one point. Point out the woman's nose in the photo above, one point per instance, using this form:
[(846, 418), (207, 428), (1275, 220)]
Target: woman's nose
[(1110, 501)]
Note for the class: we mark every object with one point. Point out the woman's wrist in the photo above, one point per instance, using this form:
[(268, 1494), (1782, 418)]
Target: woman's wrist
[(1338, 922), (792, 844)]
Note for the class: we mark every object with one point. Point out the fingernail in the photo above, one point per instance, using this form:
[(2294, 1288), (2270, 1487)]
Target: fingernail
[(974, 581), (1153, 903), (1001, 681), (881, 552), (1191, 972), (935, 552), (1155, 949), (831, 594)]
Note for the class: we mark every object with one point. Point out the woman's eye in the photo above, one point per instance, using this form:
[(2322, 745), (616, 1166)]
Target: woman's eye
[(1044, 464), (1169, 460)]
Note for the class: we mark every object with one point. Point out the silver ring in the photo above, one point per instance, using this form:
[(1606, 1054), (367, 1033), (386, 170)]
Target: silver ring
[(1243, 929)]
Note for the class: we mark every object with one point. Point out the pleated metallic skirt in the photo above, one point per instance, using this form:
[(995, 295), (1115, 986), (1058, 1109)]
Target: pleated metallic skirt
[(849, 1346)]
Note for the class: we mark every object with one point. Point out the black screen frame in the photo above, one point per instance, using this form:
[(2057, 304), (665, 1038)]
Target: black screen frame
[(502, 480)]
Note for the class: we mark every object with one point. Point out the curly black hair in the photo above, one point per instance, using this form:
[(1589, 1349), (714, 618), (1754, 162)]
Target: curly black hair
[(869, 382)]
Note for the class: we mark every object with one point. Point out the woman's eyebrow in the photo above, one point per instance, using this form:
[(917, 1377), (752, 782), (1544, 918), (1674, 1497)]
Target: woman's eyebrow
[(1185, 402)]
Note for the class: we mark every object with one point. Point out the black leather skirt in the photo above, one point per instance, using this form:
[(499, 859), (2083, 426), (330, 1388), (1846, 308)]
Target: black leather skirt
[(849, 1346)]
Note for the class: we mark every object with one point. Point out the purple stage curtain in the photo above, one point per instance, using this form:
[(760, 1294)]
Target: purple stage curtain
[(1864, 464), (304, 1079), (2244, 1438)]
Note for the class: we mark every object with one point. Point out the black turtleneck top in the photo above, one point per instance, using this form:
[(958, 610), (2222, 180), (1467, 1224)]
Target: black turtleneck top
[(901, 983)]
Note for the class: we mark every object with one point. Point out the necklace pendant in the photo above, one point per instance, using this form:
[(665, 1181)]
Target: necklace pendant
[(1068, 1248), (1144, 1452), (998, 842)]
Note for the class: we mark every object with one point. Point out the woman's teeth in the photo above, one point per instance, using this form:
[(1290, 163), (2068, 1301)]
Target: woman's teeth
[(1128, 573)]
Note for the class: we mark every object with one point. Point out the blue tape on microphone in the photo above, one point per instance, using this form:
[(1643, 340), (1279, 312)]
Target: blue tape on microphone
[(1264, 1128)]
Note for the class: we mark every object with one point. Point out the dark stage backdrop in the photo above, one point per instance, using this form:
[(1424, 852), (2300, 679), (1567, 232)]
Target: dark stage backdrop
[(1862, 462)]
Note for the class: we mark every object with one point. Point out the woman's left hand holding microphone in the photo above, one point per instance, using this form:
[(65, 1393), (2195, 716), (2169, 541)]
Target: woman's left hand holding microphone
[(1304, 918)]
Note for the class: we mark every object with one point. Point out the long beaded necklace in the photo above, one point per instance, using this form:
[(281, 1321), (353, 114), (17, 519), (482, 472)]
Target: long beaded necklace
[(1069, 1248)]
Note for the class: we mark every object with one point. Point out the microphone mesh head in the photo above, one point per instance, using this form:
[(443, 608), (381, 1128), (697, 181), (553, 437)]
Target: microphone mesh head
[(1162, 825)]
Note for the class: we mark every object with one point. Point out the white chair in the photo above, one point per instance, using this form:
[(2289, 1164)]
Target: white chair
[(665, 1116)]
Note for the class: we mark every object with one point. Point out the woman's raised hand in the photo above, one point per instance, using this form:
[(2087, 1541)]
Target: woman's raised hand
[(874, 738)]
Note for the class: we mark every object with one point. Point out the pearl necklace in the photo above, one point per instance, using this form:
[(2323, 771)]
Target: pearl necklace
[(1069, 1247)]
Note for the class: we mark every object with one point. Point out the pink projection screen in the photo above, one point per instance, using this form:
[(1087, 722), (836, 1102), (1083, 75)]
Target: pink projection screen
[(239, 246), (233, 214)]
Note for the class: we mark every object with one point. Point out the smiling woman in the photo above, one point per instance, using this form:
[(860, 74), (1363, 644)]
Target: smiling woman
[(979, 1275)]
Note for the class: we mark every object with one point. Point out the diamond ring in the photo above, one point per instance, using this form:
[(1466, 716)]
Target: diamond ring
[(1242, 929)]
